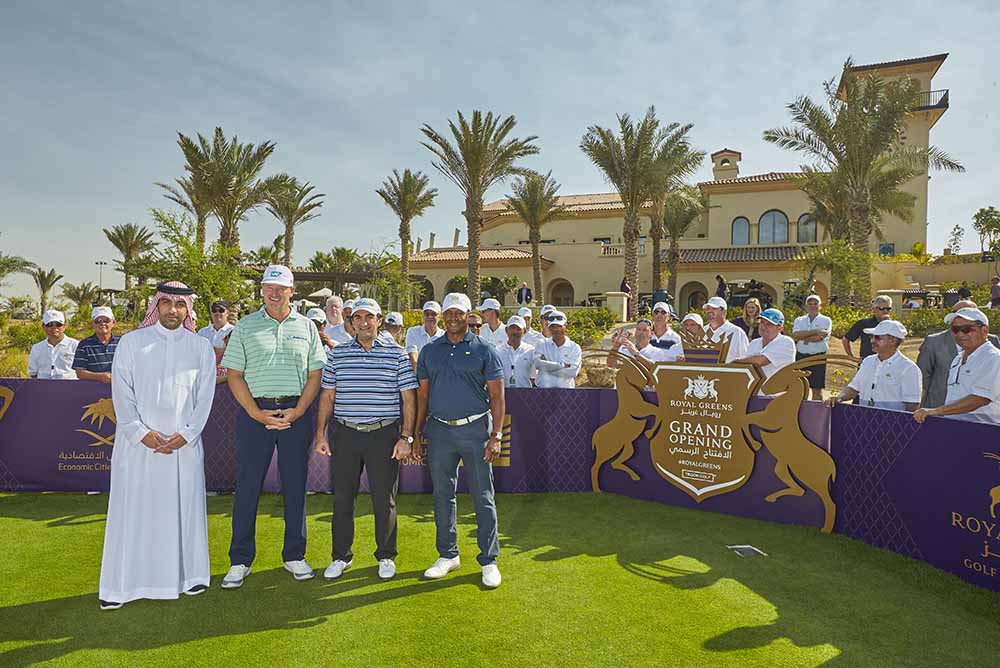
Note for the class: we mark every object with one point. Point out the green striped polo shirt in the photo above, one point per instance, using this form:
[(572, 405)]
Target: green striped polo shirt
[(274, 357)]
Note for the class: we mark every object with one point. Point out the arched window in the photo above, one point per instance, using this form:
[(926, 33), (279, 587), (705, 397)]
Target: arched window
[(806, 233), (773, 228), (741, 231)]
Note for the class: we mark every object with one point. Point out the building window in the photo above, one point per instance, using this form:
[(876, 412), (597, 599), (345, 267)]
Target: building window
[(602, 240), (773, 228), (741, 231), (887, 250), (806, 233)]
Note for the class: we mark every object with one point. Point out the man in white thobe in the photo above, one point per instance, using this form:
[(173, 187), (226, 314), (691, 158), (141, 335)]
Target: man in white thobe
[(162, 385)]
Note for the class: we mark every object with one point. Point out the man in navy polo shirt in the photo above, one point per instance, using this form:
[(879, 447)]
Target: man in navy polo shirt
[(461, 398), (95, 354)]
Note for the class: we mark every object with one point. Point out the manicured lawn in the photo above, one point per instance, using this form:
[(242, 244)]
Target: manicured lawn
[(589, 580)]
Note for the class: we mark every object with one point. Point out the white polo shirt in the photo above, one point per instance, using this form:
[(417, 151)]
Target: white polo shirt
[(780, 352), (53, 362), (496, 338), (533, 338), (888, 384), (517, 363), (676, 350), (338, 333), (216, 336), (804, 324), (417, 337), (552, 371), (738, 342), (654, 354), (978, 375)]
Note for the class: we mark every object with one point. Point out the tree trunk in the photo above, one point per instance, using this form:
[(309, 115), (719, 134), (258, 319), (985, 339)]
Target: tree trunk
[(656, 234), (630, 234), (840, 284), (404, 262), (199, 234), (289, 242), (43, 302), (535, 237), (860, 231), (472, 217), (673, 259)]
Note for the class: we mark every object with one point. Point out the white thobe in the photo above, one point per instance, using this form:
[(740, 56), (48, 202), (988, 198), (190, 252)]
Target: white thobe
[(156, 540)]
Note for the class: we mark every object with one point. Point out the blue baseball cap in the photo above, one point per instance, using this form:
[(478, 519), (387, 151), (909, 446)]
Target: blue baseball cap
[(773, 316)]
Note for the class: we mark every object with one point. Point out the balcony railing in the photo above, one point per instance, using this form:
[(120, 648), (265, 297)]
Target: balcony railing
[(933, 98), (618, 250)]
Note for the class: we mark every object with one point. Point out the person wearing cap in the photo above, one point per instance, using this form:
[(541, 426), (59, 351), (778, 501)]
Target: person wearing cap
[(493, 330), (318, 317), (475, 323), (532, 337), (96, 353), (393, 328), (543, 316), (694, 325), (419, 336), (220, 325), (811, 333), (461, 401), (558, 359), (881, 310), (887, 378), (773, 350), (335, 327), (162, 386), (974, 376), (524, 294), (52, 357), (275, 361), (517, 355), (662, 335), (718, 327), (371, 392), (641, 347), (937, 352)]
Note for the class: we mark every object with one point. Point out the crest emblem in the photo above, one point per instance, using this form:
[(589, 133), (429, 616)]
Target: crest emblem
[(701, 388)]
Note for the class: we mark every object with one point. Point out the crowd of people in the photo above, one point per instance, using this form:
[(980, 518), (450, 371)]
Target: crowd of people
[(376, 389)]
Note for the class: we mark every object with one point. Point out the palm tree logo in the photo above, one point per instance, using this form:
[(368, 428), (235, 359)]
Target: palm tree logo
[(99, 411)]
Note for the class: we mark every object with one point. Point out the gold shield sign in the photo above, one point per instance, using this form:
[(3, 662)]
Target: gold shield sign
[(696, 442)]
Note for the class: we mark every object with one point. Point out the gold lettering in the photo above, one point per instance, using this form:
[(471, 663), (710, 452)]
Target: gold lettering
[(956, 520)]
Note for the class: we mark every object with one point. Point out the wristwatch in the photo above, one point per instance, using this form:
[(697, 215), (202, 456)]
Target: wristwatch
[(408, 439), (498, 435)]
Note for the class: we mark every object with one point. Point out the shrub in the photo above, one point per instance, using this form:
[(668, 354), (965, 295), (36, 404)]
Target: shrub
[(587, 325), (23, 336)]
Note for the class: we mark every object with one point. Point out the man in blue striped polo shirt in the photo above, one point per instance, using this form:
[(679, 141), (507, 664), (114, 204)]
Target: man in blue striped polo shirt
[(95, 354), (368, 385)]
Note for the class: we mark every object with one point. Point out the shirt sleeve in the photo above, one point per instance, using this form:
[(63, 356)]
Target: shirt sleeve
[(986, 383), (782, 355), (404, 370), (492, 367), (330, 372), (317, 356), (123, 396), (204, 393), (423, 373), (854, 333), (411, 342), (799, 325), (33, 361), (859, 378), (80, 358), (573, 356), (235, 357), (912, 385)]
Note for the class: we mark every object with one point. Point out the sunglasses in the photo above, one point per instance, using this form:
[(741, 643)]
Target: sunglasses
[(53, 324), (883, 308), (102, 321), (475, 325), (218, 310), (963, 329)]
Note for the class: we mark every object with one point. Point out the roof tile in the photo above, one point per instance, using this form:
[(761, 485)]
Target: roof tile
[(740, 254)]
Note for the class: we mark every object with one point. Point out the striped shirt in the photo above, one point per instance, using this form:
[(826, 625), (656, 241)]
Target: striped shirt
[(368, 382), (94, 356), (274, 357)]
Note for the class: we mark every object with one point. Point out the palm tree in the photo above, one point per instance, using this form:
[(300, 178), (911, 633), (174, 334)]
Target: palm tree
[(480, 157), (270, 254), (45, 280), (682, 207), (861, 136), (408, 196), (536, 201), (675, 162), (228, 174), (14, 264), (131, 241), (192, 195), (292, 204), (629, 163), (82, 295)]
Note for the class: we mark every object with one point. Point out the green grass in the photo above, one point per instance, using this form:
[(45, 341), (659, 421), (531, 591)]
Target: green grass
[(589, 580)]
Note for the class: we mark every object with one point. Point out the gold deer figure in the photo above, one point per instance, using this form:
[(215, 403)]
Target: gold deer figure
[(994, 492), (797, 457), (7, 396), (615, 437)]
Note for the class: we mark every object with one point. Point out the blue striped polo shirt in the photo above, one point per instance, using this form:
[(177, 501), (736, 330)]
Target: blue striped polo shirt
[(94, 356), (368, 382)]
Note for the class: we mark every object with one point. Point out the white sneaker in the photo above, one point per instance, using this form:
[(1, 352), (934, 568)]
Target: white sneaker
[(386, 569), (491, 576), (441, 568), (336, 569), (300, 570), (234, 578)]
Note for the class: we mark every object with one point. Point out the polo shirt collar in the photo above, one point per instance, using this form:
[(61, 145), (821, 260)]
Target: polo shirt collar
[(291, 316), (378, 342), (443, 339)]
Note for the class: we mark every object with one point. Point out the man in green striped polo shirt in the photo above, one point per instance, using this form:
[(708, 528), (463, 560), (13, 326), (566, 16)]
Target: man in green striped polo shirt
[(275, 361)]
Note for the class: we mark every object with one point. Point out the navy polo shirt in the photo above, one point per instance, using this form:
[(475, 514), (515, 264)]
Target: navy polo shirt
[(457, 374), (94, 356)]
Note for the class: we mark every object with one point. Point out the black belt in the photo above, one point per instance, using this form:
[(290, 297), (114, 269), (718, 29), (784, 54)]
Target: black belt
[(277, 400)]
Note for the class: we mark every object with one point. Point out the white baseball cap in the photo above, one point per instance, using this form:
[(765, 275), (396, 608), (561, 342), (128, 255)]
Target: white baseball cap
[(548, 308), (972, 314), (52, 315), (456, 300), (489, 304), (432, 306), (524, 312), (516, 321), (277, 274), (663, 305), (102, 312), (694, 317), (317, 314), (812, 297), (717, 302), (395, 318), (557, 318), (890, 327), (366, 304), (348, 304)]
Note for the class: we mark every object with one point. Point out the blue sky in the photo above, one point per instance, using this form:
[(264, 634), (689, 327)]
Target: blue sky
[(94, 93)]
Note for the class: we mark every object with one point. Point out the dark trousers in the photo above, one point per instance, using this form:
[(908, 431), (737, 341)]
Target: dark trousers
[(351, 451), (254, 447)]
